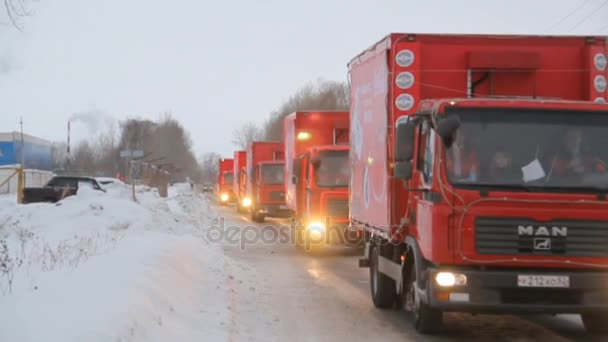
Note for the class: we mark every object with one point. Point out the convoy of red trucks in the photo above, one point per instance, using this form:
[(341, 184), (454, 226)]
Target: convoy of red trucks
[(461, 151), (477, 174), (225, 180), (265, 190), (239, 184), (317, 175)]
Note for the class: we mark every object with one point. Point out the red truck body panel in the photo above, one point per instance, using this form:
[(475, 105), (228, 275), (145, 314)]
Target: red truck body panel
[(258, 153), (240, 173), (226, 169), (324, 127), (446, 67)]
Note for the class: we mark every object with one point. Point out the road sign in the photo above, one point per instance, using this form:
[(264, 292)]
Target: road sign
[(131, 153)]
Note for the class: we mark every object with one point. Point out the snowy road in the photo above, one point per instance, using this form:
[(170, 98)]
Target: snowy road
[(279, 293)]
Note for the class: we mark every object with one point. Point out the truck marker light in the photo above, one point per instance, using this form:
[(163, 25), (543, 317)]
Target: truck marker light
[(600, 83), (448, 279), (404, 102), (600, 100), (304, 135), (600, 61), (405, 80), (405, 58)]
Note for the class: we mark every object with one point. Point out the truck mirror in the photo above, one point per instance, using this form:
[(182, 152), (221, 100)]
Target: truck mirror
[(404, 146), (297, 167), (294, 179), (404, 170), (448, 126)]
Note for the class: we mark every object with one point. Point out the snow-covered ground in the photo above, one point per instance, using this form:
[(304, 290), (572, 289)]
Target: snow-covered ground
[(101, 267)]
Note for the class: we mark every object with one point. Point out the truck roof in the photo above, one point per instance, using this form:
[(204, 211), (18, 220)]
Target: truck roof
[(386, 42)]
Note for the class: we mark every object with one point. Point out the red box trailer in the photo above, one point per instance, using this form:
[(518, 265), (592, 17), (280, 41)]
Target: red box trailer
[(225, 180), (265, 185), (478, 174), (317, 174)]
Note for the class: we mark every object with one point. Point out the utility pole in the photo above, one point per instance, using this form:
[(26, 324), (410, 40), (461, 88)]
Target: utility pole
[(22, 143)]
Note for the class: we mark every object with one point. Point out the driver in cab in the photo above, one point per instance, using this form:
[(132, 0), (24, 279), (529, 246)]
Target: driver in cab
[(574, 158)]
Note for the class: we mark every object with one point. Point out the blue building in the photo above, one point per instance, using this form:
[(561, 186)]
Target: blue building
[(37, 152)]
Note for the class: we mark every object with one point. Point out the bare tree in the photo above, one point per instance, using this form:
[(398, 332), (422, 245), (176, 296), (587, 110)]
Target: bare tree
[(16, 10), (244, 135), (326, 95), (209, 166)]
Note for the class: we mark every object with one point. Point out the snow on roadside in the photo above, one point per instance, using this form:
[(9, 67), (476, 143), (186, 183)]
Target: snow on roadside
[(100, 267)]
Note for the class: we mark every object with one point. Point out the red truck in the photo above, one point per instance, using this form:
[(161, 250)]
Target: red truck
[(225, 180), (265, 185), (317, 174), (479, 174), (239, 185)]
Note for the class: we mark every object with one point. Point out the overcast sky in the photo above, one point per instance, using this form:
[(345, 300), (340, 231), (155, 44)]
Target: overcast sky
[(216, 64)]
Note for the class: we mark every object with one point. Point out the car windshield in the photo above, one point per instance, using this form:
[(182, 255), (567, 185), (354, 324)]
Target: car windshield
[(228, 178), (272, 174), (529, 149), (332, 169)]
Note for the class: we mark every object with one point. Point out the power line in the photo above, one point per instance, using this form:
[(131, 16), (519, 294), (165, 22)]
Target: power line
[(589, 15), (564, 18)]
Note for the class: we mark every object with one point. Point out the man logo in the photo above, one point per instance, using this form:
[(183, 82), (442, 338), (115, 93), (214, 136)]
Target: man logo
[(542, 231), (542, 244)]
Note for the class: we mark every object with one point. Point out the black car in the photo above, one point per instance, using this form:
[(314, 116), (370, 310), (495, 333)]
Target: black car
[(59, 188)]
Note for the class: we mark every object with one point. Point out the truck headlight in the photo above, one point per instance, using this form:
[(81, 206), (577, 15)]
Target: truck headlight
[(246, 202), (316, 229), (224, 197), (448, 279)]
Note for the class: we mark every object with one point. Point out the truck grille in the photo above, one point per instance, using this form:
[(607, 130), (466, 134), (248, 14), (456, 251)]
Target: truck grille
[(337, 207), (277, 196), (529, 237)]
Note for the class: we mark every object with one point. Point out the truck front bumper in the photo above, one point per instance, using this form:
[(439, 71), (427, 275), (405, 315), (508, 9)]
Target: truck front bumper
[(497, 291)]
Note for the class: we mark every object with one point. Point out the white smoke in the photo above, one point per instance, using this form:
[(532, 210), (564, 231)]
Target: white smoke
[(96, 121)]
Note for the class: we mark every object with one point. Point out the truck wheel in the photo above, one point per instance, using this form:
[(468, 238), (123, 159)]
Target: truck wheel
[(426, 319), (382, 286), (595, 323)]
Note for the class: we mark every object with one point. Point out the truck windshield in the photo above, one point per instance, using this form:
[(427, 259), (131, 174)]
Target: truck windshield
[(228, 178), (529, 150), (332, 169), (272, 174)]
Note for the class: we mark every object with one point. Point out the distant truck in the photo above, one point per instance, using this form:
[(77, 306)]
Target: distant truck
[(224, 181), (265, 181), (479, 168), (317, 175), (239, 184), (58, 188)]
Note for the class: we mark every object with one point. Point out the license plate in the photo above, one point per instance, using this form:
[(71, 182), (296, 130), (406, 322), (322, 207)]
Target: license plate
[(543, 281)]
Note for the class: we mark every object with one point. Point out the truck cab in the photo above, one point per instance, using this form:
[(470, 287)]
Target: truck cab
[(265, 193), (269, 190)]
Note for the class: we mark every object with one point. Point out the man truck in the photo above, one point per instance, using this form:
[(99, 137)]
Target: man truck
[(225, 180), (265, 185), (479, 174), (239, 184), (317, 175)]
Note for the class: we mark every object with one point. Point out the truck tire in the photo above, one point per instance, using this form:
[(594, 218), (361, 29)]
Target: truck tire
[(595, 323), (382, 287), (426, 320)]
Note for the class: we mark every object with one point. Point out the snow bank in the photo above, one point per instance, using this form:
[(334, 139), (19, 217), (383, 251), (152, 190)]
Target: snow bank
[(100, 267)]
